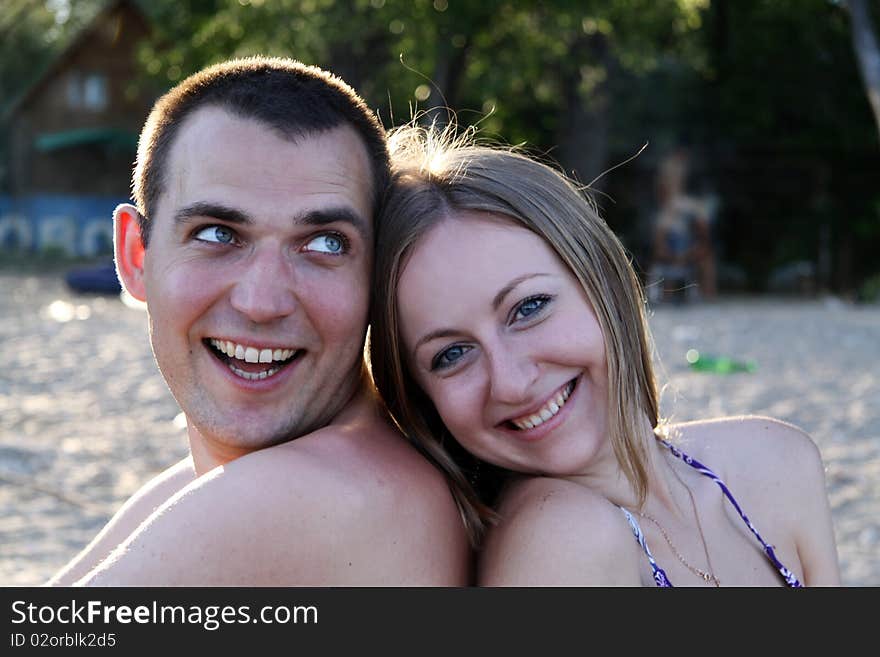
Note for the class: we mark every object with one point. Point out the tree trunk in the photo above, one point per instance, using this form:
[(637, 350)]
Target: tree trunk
[(867, 52), (446, 82), (583, 135), (356, 60)]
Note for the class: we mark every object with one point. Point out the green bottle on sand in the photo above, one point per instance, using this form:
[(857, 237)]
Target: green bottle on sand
[(718, 364)]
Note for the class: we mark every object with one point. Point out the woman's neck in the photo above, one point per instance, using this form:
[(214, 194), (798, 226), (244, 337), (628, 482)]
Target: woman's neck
[(663, 489)]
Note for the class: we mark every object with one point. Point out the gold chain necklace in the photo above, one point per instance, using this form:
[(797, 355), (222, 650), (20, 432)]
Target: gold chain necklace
[(700, 529), (704, 575)]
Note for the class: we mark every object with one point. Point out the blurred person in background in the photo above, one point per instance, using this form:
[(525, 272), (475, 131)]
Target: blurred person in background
[(683, 256)]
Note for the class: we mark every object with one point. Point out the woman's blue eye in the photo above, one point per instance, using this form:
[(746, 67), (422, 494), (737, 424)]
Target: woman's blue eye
[(530, 307), (449, 357), (216, 234), (330, 243)]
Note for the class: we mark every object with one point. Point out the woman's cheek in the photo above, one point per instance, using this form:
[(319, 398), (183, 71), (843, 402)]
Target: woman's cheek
[(465, 407)]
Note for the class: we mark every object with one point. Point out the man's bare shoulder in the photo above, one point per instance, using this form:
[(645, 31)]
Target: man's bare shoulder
[(344, 506), (368, 459), (126, 520), (554, 532), (364, 484)]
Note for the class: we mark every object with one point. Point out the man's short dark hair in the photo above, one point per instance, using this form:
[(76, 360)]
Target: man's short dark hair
[(294, 99)]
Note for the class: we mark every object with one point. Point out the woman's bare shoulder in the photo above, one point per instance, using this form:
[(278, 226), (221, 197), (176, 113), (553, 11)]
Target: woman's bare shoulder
[(777, 472), (747, 441), (771, 465), (554, 532), (539, 494)]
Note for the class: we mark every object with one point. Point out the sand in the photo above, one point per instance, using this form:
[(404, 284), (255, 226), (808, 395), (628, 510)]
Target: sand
[(85, 417)]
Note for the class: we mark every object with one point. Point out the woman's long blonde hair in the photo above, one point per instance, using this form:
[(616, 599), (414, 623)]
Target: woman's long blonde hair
[(435, 175)]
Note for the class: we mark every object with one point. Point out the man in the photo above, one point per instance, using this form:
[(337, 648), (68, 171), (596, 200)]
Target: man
[(256, 183)]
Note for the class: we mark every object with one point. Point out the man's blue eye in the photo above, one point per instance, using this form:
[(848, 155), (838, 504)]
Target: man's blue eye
[(530, 307), (217, 234), (330, 243), (448, 357)]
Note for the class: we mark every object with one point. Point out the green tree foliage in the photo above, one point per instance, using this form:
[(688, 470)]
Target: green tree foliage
[(28, 33), (470, 56), (32, 32), (794, 145), (766, 92)]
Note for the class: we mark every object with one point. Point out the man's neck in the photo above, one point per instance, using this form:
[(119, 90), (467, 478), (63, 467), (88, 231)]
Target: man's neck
[(207, 454)]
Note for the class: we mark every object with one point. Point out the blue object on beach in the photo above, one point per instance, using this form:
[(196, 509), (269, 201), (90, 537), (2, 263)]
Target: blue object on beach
[(99, 279)]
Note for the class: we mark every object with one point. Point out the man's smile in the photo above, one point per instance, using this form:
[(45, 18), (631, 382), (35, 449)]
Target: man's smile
[(252, 362)]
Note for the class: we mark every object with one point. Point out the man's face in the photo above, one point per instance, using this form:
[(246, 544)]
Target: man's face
[(257, 276)]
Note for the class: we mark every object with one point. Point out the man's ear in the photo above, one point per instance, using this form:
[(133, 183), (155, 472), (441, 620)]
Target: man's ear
[(128, 248)]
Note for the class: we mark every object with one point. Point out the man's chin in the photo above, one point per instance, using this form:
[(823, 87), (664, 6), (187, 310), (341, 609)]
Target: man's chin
[(243, 436)]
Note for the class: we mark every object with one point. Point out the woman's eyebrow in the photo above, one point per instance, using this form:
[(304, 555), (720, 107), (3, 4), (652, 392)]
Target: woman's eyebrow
[(433, 335), (496, 303), (507, 289)]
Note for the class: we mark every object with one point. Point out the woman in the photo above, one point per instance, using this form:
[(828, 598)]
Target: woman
[(508, 321)]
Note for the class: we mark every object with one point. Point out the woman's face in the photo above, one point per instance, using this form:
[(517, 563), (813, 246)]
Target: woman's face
[(499, 334)]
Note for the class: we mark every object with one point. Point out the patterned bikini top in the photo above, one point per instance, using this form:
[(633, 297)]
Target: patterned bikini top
[(659, 575)]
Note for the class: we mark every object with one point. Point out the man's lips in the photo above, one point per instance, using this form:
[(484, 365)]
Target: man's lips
[(544, 413), (252, 362)]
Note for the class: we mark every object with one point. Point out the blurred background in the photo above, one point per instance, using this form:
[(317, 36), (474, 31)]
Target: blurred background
[(770, 99), (731, 144)]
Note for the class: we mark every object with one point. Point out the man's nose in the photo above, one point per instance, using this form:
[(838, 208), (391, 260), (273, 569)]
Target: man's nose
[(512, 375), (264, 290)]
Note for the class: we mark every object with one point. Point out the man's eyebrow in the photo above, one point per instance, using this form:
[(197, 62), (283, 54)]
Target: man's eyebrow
[(507, 289), (336, 215), (310, 218), (213, 210), (496, 303)]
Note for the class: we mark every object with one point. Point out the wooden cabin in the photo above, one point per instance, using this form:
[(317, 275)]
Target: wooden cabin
[(73, 138)]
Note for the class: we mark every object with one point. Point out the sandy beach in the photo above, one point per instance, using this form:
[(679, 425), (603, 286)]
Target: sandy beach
[(85, 417)]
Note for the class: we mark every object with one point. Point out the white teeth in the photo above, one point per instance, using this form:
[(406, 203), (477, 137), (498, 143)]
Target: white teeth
[(254, 376), (251, 354), (550, 409)]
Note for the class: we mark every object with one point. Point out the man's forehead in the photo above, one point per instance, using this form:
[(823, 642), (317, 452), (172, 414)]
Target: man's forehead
[(217, 150), (203, 127)]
